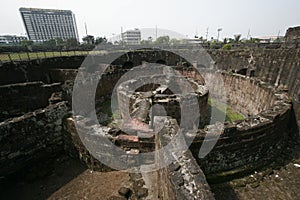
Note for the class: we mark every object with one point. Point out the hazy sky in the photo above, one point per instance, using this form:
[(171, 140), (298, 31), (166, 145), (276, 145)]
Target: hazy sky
[(105, 18)]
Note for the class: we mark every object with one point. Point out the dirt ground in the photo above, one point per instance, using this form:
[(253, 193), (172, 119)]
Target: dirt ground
[(68, 179), (95, 185)]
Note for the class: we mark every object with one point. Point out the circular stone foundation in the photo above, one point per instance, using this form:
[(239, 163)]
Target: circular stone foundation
[(141, 99), (243, 146)]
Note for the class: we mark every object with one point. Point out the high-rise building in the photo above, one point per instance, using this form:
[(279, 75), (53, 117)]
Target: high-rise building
[(132, 37), (46, 24)]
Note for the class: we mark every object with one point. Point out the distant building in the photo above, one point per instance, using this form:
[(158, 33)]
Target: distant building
[(11, 39), (46, 24), (270, 39), (132, 37), (193, 41)]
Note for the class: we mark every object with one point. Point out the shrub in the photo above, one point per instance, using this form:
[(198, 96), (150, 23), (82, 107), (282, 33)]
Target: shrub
[(227, 47)]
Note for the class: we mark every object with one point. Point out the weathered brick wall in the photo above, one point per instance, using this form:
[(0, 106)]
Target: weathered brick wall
[(280, 67), (151, 56), (184, 101), (27, 139), (130, 144), (183, 178), (36, 70), (18, 99), (74, 147), (292, 37), (246, 95), (263, 138), (248, 144), (62, 75)]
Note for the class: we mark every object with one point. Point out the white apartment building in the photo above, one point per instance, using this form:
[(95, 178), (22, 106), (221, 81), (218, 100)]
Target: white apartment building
[(132, 37)]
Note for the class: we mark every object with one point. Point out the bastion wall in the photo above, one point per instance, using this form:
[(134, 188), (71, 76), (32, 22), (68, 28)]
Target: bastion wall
[(39, 127)]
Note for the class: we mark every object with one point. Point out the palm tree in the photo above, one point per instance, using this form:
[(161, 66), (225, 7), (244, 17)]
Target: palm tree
[(237, 38), (225, 41)]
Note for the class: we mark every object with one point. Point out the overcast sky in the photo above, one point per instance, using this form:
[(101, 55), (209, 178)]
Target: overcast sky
[(105, 18)]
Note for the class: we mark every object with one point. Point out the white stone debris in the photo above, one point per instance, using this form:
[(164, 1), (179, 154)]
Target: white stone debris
[(297, 165)]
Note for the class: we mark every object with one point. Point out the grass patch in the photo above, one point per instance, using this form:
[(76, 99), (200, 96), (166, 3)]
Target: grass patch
[(39, 55), (232, 115), (222, 110)]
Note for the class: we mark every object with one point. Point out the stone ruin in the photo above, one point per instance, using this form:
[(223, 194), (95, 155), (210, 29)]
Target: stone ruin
[(292, 37), (37, 123)]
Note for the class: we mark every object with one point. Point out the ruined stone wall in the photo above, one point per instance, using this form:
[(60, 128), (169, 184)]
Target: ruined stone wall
[(183, 178), (174, 104), (253, 142), (62, 75), (150, 56), (74, 147), (247, 144), (18, 99), (130, 144), (279, 67), (292, 37), (36, 70), (107, 83), (246, 95), (27, 139)]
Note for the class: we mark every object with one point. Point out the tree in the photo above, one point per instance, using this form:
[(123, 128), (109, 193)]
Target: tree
[(279, 40), (120, 42), (101, 40), (174, 41), (145, 42), (89, 39), (252, 40), (59, 41), (237, 38), (26, 43), (163, 40), (148, 41), (225, 41), (215, 44), (255, 40), (71, 42), (50, 43)]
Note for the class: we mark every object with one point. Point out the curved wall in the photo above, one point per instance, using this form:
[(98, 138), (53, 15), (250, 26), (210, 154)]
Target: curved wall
[(247, 96), (174, 104), (247, 144), (280, 67), (251, 143)]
